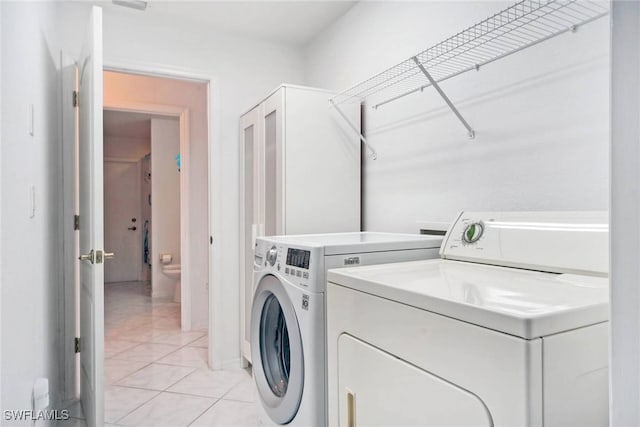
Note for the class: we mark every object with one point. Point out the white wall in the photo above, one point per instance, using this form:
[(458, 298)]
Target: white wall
[(243, 71), (625, 214), (165, 202), (125, 147), (31, 282), (541, 117), (1, 139)]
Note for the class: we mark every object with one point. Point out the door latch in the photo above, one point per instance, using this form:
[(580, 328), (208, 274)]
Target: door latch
[(91, 257), (96, 257)]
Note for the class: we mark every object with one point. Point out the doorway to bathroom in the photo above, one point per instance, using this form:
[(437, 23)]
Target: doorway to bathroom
[(134, 145), (155, 207), (127, 197)]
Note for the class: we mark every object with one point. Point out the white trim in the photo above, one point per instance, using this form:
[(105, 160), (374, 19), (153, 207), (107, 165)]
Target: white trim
[(624, 370), (1, 138), (232, 364), (70, 313), (183, 115), (218, 334)]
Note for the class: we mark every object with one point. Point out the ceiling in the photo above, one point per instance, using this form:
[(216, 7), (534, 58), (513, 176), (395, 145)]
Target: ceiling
[(127, 125), (288, 22)]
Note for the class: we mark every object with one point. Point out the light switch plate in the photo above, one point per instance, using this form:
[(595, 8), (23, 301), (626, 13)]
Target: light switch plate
[(31, 120)]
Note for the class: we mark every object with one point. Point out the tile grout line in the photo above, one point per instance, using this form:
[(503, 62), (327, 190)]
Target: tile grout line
[(148, 319), (137, 407)]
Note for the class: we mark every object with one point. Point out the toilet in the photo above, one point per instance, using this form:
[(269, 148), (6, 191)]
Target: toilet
[(173, 271)]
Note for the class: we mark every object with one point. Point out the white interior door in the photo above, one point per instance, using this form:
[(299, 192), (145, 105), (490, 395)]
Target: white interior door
[(122, 228), (91, 222)]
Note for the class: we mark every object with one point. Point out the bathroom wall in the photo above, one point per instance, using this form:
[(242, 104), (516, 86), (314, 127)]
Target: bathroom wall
[(31, 273), (125, 147), (165, 201), (541, 117)]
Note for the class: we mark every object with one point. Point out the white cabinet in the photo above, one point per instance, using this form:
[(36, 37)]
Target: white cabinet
[(300, 174)]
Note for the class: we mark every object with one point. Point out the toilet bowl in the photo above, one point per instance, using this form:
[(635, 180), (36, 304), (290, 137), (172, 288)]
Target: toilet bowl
[(173, 271)]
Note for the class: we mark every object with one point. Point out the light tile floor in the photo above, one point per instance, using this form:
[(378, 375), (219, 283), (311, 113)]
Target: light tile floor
[(157, 375)]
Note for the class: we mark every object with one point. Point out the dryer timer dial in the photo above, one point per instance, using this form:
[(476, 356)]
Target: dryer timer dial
[(473, 232)]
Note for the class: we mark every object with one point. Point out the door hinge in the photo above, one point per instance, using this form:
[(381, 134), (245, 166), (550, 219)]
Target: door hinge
[(76, 344), (76, 222), (75, 99)]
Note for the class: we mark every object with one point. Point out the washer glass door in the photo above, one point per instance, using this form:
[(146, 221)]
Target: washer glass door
[(276, 347), (275, 351)]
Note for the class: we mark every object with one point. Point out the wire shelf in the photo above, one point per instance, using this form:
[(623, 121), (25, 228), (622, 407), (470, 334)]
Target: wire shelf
[(518, 27)]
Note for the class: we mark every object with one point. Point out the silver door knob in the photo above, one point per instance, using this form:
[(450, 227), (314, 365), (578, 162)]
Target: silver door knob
[(109, 255), (91, 257)]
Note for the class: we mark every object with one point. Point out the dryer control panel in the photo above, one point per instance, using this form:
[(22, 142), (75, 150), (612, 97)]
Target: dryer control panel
[(558, 242)]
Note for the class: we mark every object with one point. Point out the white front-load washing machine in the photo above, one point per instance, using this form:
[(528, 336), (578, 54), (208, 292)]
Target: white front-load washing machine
[(288, 328), (509, 328)]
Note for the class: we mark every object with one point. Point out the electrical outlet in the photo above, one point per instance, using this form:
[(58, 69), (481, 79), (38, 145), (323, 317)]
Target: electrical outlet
[(40, 394)]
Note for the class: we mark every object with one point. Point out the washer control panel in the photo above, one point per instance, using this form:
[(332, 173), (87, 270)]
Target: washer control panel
[(292, 262)]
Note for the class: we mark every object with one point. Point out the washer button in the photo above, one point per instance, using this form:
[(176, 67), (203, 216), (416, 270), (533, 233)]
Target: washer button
[(305, 275), (298, 273)]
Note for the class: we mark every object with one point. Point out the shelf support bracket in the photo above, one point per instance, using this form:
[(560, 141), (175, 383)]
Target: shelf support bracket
[(470, 131), (374, 155)]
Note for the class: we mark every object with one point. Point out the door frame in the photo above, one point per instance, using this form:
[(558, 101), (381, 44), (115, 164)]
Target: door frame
[(70, 304), (182, 113), (217, 332)]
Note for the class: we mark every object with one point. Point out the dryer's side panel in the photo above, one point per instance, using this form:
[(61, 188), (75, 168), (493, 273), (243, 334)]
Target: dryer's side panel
[(322, 165), (576, 369)]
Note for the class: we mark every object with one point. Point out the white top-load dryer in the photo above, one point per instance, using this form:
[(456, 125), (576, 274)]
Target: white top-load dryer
[(288, 328), (509, 328)]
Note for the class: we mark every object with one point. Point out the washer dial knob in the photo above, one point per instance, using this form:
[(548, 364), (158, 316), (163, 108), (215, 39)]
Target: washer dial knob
[(473, 232), (272, 255)]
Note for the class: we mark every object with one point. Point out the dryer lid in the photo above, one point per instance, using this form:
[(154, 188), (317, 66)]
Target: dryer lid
[(524, 303)]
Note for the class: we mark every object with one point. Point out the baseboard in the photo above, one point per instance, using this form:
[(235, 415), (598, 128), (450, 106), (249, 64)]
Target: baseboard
[(229, 364)]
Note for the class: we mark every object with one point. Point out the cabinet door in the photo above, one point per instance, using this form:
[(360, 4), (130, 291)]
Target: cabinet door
[(378, 389), (273, 119), (251, 176)]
